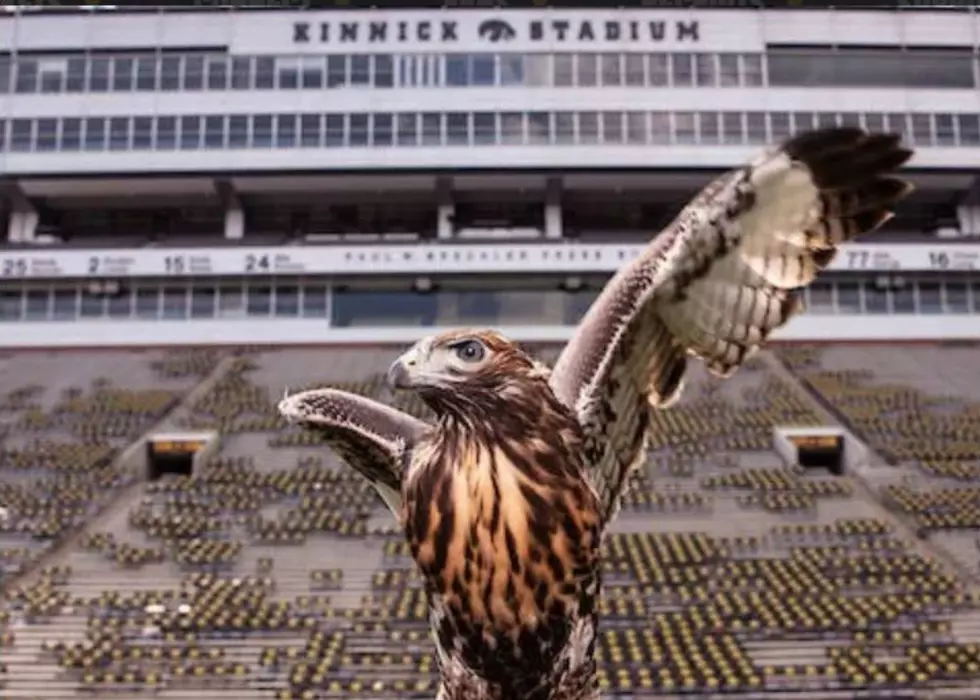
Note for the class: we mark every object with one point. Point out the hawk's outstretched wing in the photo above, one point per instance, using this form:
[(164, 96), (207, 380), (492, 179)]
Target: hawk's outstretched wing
[(376, 440), (722, 276)]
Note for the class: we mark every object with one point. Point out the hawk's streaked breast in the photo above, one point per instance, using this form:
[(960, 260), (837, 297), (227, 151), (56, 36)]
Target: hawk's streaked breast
[(506, 534)]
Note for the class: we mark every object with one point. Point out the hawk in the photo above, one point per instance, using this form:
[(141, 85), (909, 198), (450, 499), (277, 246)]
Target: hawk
[(506, 496)]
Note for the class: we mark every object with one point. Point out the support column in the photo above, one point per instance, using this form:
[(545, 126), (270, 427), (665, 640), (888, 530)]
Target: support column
[(22, 227), (968, 217), (234, 213), (446, 210), (553, 224), (968, 210)]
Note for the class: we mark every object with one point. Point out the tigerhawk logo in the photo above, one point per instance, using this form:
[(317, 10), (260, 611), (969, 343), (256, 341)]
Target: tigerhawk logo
[(494, 30)]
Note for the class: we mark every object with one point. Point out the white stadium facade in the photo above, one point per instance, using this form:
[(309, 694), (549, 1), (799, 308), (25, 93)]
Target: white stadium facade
[(176, 177)]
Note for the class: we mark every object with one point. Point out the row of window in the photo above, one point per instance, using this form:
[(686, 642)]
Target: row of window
[(198, 71), (152, 301), (194, 72), (406, 129)]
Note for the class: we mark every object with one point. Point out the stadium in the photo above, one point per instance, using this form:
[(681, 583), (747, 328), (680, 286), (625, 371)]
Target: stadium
[(206, 207)]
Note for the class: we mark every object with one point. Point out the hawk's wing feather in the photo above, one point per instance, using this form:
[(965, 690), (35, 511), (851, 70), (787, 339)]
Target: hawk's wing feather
[(722, 276), (376, 440)]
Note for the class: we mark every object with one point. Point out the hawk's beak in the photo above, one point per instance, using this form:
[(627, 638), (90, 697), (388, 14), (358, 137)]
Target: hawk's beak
[(399, 376)]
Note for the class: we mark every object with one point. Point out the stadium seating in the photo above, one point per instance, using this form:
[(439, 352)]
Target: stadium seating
[(275, 572)]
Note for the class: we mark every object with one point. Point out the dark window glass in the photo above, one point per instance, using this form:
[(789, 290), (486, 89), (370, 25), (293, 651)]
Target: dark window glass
[(458, 129), (65, 304), (512, 128), (193, 72), (945, 131), (37, 304), (710, 127), (10, 305), (238, 131), (175, 303), (408, 130), (202, 302), (52, 81), (6, 70), (636, 127), (313, 73), (119, 133), (384, 71), (123, 70), (147, 302), (870, 68), (170, 73), (383, 129), (483, 69), (538, 128), (512, 69), (485, 128), (262, 131), (315, 301), (287, 301), (588, 127), (360, 70), (431, 129), (241, 73), (166, 133), (71, 134), (95, 134), (969, 127), (77, 72), (588, 69), (875, 298), (259, 301), (457, 70), (564, 70), (121, 305), (612, 69), (27, 74), (21, 131), (142, 133), (635, 75), (146, 73), (564, 128), (92, 306), (930, 297), (190, 132), (821, 298), (659, 70), (359, 131), (957, 299), (99, 76), (214, 132), (612, 128), (336, 71), (286, 130), (47, 134), (289, 77), (310, 135), (682, 69), (728, 75), (335, 130), (265, 73), (217, 73)]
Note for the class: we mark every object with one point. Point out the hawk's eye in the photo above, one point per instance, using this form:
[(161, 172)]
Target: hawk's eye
[(470, 351)]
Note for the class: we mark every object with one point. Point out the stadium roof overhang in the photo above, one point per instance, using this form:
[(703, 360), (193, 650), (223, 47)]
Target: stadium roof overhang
[(134, 187)]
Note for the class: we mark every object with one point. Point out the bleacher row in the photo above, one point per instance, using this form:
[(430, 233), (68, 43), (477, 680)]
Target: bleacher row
[(275, 572)]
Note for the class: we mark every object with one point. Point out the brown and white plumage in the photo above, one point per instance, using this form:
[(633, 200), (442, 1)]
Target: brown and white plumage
[(724, 274), (505, 499), (375, 439)]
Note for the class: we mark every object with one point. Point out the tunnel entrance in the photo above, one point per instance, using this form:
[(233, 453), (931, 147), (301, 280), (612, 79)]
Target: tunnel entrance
[(820, 452), (171, 456)]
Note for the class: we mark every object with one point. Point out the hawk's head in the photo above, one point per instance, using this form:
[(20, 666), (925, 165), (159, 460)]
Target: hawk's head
[(464, 368)]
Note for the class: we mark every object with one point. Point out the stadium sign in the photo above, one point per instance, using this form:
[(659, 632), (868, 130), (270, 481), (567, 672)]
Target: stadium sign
[(495, 30), (421, 259)]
